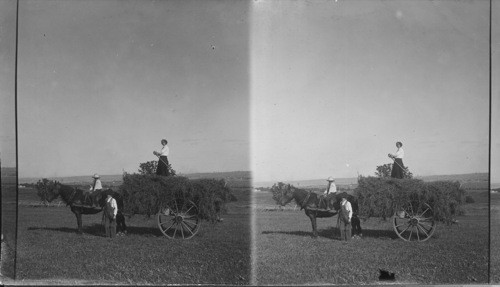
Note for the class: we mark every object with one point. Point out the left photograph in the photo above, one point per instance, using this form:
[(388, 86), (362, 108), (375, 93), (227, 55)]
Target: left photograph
[(133, 142)]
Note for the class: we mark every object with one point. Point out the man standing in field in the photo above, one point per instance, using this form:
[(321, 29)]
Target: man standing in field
[(345, 216), (110, 211)]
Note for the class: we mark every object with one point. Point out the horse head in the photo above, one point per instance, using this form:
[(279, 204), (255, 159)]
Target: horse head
[(287, 195), (53, 191)]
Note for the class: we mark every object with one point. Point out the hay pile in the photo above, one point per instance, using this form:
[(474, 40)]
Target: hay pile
[(148, 194), (381, 197)]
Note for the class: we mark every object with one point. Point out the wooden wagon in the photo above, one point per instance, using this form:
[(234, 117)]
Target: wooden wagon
[(411, 222), (179, 204)]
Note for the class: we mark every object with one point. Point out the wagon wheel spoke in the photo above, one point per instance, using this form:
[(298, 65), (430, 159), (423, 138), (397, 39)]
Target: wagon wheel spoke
[(191, 220), (429, 230), (400, 225), (169, 226), (423, 230), (418, 236), (187, 212), (175, 232), (404, 230), (193, 224), (190, 225), (411, 232), (188, 228), (421, 215), (189, 209), (182, 229), (427, 221), (192, 217)]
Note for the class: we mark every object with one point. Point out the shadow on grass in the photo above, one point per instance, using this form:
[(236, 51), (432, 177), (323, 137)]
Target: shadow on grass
[(98, 230), (334, 233)]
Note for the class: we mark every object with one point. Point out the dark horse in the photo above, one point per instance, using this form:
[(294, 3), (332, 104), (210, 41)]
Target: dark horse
[(80, 203), (314, 205)]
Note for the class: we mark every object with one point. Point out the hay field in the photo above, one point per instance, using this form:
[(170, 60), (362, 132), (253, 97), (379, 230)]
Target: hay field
[(51, 252), (287, 254)]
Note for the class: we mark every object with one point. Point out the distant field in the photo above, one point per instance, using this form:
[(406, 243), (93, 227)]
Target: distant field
[(287, 254), (8, 171), (116, 179)]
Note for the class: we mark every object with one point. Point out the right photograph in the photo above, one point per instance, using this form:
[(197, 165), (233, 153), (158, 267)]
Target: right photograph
[(370, 142)]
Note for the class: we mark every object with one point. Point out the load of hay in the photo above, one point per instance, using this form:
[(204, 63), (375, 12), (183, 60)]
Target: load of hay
[(381, 197), (148, 194)]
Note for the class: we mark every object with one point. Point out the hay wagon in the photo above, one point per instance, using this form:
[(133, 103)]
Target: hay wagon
[(413, 206), (179, 204), (413, 221)]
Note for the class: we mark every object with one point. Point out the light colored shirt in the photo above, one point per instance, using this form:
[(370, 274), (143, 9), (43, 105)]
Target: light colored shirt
[(400, 153), (331, 189), (347, 208), (112, 206), (97, 185), (164, 151)]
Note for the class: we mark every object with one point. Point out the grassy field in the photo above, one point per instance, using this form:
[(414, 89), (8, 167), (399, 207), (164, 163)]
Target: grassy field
[(495, 238), (50, 251), (8, 177), (286, 253)]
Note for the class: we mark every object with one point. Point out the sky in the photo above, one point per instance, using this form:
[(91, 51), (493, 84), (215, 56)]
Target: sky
[(288, 89), (335, 84), (102, 82), (495, 95), (7, 83)]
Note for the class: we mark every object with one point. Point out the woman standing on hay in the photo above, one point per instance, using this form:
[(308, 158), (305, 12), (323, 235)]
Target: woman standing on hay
[(162, 168), (398, 167)]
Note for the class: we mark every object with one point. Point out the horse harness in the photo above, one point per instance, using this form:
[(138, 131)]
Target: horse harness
[(304, 202), (72, 196)]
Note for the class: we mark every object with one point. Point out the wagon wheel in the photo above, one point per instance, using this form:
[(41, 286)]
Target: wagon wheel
[(179, 219), (414, 222)]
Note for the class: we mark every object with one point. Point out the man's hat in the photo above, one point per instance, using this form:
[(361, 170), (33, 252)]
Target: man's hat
[(95, 175), (330, 179)]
